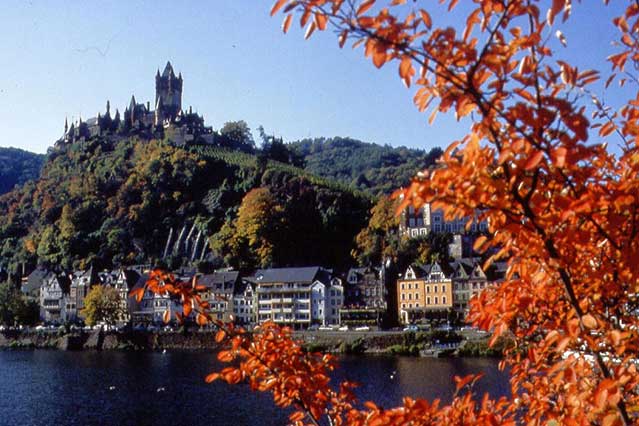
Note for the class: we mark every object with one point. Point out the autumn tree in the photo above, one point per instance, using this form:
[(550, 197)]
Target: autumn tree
[(102, 304), (560, 206), (248, 242), (380, 239)]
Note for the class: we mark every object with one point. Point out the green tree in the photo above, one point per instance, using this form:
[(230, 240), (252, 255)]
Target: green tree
[(102, 304), (237, 135), (14, 308)]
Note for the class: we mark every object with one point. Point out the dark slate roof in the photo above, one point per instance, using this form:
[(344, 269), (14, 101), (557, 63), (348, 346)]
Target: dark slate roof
[(132, 278), (241, 285), (220, 281), (497, 271), (142, 279), (64, 282), (420, 270), (35, 279), (288, 275), (359, 273)]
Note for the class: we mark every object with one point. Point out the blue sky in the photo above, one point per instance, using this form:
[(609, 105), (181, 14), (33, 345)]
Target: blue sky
[(65, 59)]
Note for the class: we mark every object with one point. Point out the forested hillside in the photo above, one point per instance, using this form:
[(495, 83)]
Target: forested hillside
[(113, 200), (18, 166), (366, 166)]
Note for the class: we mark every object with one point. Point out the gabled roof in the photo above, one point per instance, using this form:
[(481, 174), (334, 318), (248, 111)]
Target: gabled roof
[(220, 281), (289, 275), (240, 287), (35, 279)]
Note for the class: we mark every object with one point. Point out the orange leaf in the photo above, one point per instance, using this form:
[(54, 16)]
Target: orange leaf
[(187, 308), (277, 6), (166, 317), (212, 377), (287, 23), (534, 160), (426, 18), (589, 321), (560, 156), (479, 242), (220, 335), (321, 20), (461, 382), (138, 293), (367, 4), (201, 319), (309, 30)]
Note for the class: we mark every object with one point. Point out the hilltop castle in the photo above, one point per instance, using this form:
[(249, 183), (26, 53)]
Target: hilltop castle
[(167, 120)]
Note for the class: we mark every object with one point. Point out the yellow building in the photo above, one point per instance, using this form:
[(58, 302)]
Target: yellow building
[(424, 292)]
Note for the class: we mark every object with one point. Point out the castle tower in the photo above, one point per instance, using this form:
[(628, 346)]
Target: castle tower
[(168, 93)]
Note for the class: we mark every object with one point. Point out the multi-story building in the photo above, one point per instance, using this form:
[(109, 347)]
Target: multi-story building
[(365, 297), (469, 279), (414, 223), (81, 283), (244, 302), (297, 297), (53, 296), (220, 287), (424, 292), (122, 280)]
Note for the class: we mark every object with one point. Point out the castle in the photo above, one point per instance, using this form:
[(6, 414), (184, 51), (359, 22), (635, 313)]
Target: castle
[(167, 120)]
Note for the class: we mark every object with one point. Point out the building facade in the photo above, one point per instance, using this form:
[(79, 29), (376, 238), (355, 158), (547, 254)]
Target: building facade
[(297, 297), (424, 292)]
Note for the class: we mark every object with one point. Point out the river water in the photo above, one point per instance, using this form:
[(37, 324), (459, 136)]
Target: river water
[(146, 388)]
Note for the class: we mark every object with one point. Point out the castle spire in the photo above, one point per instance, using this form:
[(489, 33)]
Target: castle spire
[(168, 70), (108, 109), (66, 125)]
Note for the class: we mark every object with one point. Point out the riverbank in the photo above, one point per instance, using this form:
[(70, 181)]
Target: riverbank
[(425, 344)]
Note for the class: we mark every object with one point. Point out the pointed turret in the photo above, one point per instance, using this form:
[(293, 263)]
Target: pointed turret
[(108, 109), (66, 125), (168, 70)]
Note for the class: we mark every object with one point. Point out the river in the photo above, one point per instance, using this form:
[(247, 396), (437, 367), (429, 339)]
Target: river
[(146, 388)]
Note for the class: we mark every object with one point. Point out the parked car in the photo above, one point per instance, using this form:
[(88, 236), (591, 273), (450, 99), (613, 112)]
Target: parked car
[(325, 328), (411, 327), (363, 328), (343, 328)]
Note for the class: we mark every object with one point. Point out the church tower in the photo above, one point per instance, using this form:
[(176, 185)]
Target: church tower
[(168, 94)]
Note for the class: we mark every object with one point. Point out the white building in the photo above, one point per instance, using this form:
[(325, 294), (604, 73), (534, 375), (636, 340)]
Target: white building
[(297, 297)]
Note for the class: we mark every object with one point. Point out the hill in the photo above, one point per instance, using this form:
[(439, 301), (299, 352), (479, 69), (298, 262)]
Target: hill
[(122, 200), (18, 166), (368, 167)]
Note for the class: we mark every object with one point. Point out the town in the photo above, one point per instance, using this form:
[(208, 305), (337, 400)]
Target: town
[(311, 297)]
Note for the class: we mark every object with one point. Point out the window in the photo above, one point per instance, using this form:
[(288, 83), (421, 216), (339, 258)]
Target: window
[(428, 300), (403, 305), (436, 300), (403, 296), (443, 288), (444, 300), (410, 296), (416, 296), (402, 286), (427, 289), (435, 290)]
